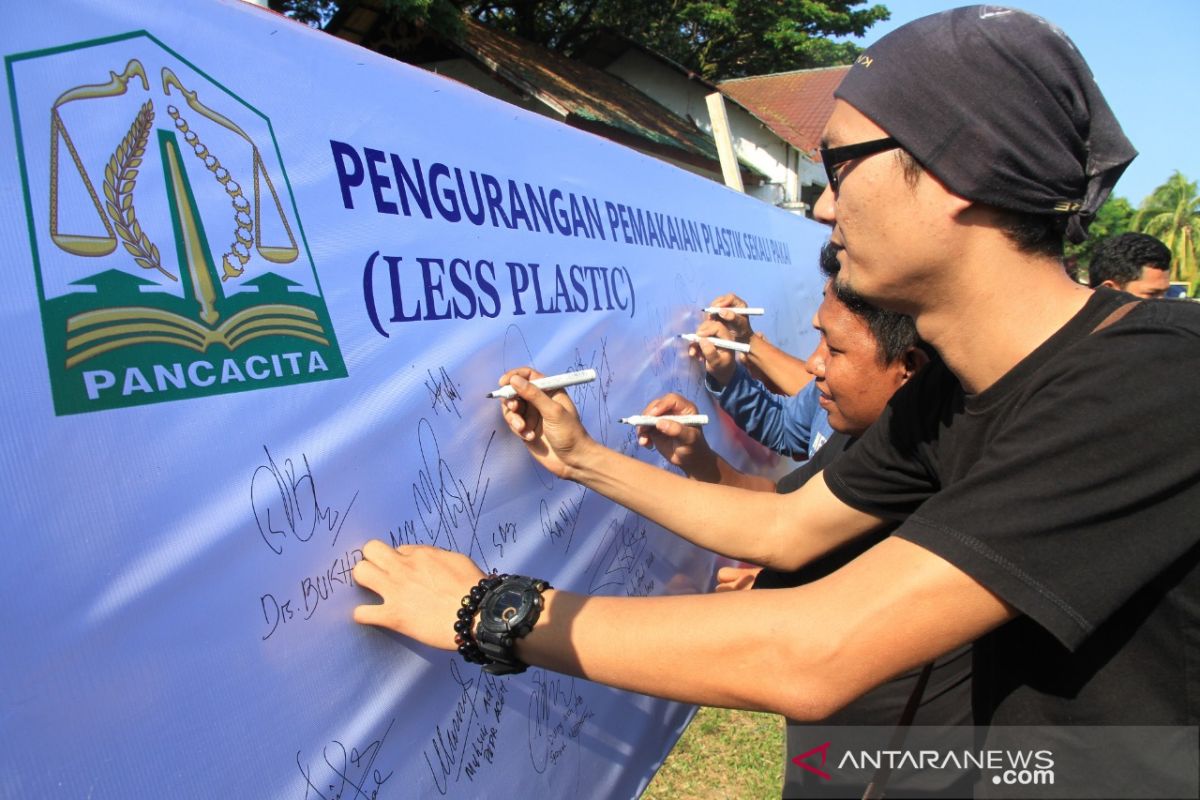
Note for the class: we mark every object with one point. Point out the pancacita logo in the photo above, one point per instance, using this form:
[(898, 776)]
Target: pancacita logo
[(169, 255)]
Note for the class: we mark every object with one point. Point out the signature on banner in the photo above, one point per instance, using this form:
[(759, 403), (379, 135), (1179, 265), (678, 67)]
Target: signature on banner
[(466, 746), (559, 525), (449, 501), (284, 500), (443, 392), (557, 714), (595, 392), (283, 497), (343, 774), (621, 563)]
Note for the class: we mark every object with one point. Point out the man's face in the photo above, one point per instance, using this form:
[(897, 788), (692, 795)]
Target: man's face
[(887, 230), (854, 386), (1152, 284)]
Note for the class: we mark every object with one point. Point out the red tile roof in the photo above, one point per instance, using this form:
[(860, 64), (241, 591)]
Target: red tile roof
[(582, 91), (586, 97), (795, 105)]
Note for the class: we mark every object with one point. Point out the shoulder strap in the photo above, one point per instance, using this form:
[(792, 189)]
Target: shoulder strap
[(878, 785), (1117, 315)]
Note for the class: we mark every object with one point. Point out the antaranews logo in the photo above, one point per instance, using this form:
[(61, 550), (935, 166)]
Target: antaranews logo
[(169, 256), (801, 760)]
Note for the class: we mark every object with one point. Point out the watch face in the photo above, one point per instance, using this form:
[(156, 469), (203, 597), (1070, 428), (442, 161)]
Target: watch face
[(506, 605)]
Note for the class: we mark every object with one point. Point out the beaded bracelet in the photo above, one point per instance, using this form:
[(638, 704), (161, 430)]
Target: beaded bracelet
[(467, 648)]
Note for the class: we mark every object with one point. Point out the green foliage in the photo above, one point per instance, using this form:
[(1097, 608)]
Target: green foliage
[(1172, 214), (715, 38), (407, 15), (735, 38), (311, 12), (1114, 218)]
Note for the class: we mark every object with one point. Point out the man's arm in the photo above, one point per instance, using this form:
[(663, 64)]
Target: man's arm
[(783, 532), (776, 367), (780, 531), (782, 423), (802, 652), (781, 372), (685, 447)]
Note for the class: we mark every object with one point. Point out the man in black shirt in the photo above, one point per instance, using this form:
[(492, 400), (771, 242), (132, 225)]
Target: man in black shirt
[(862, 356), (1047, 499)]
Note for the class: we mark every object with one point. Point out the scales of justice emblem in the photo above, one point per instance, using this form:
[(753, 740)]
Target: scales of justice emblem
[(193, 280)]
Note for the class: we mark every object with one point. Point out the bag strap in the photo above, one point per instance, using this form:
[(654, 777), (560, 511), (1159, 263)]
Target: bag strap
[(1117, 315), (878, 785)]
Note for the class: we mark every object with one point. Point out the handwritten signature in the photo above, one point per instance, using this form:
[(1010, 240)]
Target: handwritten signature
[(284, 501), (669, 360), (443, 392), (618, 557), (560, 525), (598, 390), (314, 590), (504, 533), (467, 745), (348, 774), (557, 714), (446, 505)]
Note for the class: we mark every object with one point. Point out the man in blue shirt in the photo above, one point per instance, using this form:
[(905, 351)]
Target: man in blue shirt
[(791, 423)]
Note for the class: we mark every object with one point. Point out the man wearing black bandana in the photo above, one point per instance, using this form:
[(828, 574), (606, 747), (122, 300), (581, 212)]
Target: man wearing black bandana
[(1048, 506)]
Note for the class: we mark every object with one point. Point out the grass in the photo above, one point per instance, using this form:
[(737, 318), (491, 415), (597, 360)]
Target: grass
[(723, 754)]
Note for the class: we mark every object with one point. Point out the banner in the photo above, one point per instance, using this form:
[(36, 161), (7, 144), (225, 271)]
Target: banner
[(257, 284)]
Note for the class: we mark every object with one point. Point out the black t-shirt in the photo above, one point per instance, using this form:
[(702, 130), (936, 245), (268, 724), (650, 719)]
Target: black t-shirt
[(945, 702), (1071, 489), (837, 444)]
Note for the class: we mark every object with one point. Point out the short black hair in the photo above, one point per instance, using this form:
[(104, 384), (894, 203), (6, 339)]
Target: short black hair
[(1035, 234), (894, 333), (1121, 258)]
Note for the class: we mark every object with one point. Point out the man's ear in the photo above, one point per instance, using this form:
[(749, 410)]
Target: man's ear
[(914, 359), (960, 207), (1110, 283), (954, 205)]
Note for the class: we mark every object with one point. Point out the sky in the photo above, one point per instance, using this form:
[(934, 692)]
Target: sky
[(1146, 59)]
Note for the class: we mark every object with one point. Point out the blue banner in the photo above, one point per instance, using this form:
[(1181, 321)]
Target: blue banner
[(259, 282)]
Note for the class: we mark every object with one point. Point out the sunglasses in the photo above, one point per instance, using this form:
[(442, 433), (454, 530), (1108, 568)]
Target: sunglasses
[(834, 157)]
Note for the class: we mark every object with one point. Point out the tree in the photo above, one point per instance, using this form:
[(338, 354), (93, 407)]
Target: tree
[(1172, 214), (317, 13), (1112, 219), (736, 38), (717, 39), (311, 12)]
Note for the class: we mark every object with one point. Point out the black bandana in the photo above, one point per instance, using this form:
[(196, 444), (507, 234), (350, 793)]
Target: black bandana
[(1000, 106)]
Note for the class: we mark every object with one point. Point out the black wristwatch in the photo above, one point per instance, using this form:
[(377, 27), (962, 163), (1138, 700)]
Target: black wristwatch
[(507, 612)]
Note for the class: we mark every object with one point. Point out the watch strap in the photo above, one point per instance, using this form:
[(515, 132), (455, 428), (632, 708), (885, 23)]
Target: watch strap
[(496, 644)]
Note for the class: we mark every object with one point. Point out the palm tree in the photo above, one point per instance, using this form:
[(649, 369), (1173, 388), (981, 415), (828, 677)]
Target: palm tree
[(1172, 214)]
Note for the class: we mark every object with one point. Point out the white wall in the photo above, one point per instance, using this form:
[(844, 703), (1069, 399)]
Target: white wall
[(470, 74), (753, 141)]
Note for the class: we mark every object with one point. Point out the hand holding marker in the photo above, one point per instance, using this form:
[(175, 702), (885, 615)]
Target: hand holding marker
[(726, 344), (563, 380), (682, 419), (549, 383)]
